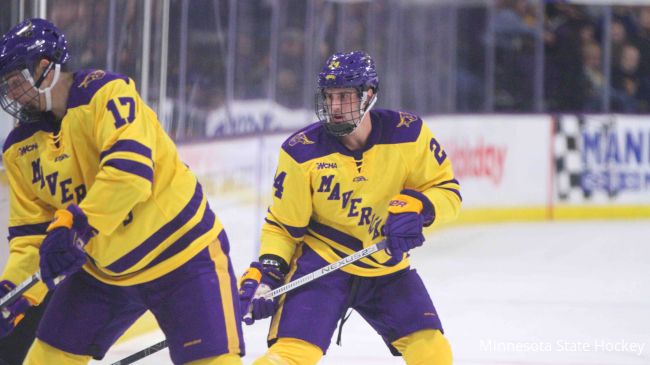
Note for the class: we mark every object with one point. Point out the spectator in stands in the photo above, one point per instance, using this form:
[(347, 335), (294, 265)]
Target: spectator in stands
[(514, 55), (629, 90), (594, 81), (642, 41), (289, 90), (618, 40), (564, 78)]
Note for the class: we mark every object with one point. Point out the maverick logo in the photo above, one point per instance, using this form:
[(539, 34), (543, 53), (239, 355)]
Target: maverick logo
[(95, 75), (325, 165), (57, 185), (405, 119), (299, 138), (334, 65), (355, 208), (28, 148)]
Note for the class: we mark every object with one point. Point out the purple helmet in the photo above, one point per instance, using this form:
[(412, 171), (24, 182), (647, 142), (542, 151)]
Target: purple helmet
[(345, 70), (21, 48), (349, 69), (28, 42)]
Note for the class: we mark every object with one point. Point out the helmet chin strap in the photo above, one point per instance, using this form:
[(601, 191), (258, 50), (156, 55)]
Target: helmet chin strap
[(365, 111), (48, 90)]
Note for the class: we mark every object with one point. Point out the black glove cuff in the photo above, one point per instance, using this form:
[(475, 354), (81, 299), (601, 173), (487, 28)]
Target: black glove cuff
[(276, 262)]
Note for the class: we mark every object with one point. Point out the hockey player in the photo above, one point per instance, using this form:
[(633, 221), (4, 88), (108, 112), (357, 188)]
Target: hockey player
[(100, 197), (14, 346), (356, 177)]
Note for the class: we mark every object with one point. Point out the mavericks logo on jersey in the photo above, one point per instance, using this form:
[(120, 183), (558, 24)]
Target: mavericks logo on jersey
[(405, 119), (352, 205), (95, 75), (299, 138)]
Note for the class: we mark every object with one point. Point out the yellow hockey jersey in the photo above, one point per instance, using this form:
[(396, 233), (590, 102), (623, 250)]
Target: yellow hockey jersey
[(112, 158), (336, 200)]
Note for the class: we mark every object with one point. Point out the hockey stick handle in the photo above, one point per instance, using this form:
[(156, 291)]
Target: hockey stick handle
[(322, 272), (142, 353), (16, 292), (21, 288), (274, 293), (326, 270)]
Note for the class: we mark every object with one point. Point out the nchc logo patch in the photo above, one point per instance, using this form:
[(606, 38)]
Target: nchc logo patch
[(27, 148), (325, 165)]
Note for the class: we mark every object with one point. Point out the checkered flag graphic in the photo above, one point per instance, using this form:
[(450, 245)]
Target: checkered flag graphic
[(570, 169), (568, 164)]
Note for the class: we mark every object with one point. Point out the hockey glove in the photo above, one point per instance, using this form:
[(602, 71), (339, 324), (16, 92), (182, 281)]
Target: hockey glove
[(14, 312), (62, 252), (260, 278), (405, 222)]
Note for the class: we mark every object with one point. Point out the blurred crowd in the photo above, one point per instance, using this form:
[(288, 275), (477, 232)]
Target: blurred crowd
[(438, 57), (578, 75)]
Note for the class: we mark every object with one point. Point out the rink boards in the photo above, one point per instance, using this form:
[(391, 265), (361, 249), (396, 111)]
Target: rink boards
[(511, 167)]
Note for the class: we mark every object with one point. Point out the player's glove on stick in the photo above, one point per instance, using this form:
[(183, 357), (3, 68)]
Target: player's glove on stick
[(408, 212), (62, 252), (13, 313), (260, 278)]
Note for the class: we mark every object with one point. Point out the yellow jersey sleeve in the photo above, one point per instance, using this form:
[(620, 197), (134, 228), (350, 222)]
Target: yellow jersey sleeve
[(126, 142), (288, 217), (431, 173), (28, 221)]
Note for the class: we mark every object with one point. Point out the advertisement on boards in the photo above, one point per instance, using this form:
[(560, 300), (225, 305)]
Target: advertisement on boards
[(602, 159), (500, 160)]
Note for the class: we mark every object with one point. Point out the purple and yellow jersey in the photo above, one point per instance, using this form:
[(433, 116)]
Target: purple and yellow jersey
[(113, 159), (336, 201)]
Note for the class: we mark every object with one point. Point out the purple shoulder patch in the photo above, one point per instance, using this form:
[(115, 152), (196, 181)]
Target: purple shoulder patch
[(308, 143), (87, 83), (397, 126)]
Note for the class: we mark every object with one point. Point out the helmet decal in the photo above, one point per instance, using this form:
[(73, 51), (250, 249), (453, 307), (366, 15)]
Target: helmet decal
[(346, 70)]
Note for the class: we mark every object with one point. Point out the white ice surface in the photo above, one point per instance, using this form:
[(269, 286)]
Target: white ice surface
[(570, 293)]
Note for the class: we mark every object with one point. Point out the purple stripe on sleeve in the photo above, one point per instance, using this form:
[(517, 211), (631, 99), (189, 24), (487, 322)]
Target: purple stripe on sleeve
[(127, 145), (27, 230), (295, 232), (272, 223), (132, 167), (455, 192), (452, 181), (159, 236)]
